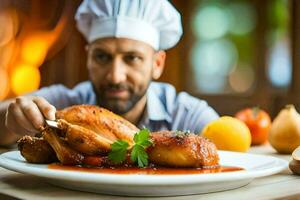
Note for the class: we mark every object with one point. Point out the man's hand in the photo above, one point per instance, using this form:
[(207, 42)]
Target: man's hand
[(26, 115)]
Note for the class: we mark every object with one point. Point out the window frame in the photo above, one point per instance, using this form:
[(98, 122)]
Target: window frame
[(264, 94)]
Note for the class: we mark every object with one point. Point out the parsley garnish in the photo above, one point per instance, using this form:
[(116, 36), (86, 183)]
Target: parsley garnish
[(118, 151), (138, 153), (142, 138), (139, 156)]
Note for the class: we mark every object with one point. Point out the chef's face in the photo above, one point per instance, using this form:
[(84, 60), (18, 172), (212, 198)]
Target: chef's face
[(121, 71)]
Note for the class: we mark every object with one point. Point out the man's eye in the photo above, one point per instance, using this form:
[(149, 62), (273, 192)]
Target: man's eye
[(132, 58), (102, 57)]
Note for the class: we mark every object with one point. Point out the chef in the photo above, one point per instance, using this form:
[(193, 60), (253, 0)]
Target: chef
[(126, 47)]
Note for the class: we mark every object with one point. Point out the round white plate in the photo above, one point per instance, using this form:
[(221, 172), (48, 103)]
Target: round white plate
[(153, 185)]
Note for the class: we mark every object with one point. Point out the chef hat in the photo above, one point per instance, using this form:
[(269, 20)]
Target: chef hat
[(155, 22)]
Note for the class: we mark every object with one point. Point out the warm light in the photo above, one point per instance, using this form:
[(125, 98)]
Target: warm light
[(4, 84), (7, 53), (24, 79), (241, 79), (34, 49), (28, 45)]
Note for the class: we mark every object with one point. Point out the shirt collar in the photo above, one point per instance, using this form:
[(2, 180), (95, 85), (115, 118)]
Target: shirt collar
[(156, 109)]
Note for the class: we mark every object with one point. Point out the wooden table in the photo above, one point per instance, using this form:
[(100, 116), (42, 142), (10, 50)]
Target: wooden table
[(284, 185)]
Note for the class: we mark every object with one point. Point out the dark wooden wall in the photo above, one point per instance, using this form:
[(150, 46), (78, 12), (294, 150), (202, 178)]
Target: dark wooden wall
[(66, 65)]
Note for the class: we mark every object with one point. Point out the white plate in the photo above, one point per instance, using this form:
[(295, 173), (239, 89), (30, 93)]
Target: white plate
[(153, 185)]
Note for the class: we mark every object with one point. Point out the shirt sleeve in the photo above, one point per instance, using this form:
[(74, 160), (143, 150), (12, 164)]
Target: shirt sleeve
[(61, 96), (192, 113)]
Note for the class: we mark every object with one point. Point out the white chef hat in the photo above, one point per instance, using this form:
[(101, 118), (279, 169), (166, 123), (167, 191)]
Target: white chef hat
[(155, 22)]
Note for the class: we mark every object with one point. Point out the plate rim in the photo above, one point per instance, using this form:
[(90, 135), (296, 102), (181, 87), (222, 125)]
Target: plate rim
[(41, 170)]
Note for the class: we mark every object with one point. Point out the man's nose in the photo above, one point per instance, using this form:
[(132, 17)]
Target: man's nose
[(117, 72)]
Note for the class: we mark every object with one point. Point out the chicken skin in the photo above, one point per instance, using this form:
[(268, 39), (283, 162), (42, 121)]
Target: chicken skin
[(36, 150), (85, 140), (100, 120), (87, 133), (64, 153), (178, 149)]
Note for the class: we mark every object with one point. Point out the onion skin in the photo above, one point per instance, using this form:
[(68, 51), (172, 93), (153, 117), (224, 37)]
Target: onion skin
[(284, 133)]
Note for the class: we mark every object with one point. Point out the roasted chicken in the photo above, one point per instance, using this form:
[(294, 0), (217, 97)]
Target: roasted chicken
[(86, 133), (179, 149), (85, 140), (36, 150), (101, 121), (64, 152)]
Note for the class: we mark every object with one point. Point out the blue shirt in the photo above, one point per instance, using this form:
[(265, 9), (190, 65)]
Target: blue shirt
[(166, 110)]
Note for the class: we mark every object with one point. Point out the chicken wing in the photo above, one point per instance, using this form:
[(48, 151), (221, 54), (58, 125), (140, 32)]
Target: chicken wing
[(36, 150), (64, 153)]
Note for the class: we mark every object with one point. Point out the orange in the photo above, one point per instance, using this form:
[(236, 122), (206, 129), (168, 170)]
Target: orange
[(228, 133)]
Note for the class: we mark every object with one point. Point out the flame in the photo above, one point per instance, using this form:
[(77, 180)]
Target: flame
[(34, 48), (24, 79), (21, 54)]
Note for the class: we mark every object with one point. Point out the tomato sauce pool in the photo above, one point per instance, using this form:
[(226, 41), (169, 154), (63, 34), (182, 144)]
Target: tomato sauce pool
[(153, 170)]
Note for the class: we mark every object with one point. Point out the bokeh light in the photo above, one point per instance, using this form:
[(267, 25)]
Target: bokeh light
[(214, 57), (241, 79), (211, 22), (280, 66), (34, 49), (26, 42), (212, 61), (210, 84), (243, 18), (224, 38), (24, 79), (4, 84)]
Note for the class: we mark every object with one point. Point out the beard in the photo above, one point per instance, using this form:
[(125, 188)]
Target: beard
[(117, 105)]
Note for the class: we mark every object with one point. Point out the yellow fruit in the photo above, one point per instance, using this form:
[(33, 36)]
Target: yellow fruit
[(228, 133), (284, 133)]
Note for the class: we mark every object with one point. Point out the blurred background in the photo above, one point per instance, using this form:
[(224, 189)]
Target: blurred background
[(234, 53)]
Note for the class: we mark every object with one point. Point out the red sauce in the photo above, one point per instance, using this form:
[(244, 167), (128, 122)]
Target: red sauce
[(148, 171)]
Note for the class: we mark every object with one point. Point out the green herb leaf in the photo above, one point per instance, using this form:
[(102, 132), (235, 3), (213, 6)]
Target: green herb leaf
[(118, 151), (142, 138), (138, 153)]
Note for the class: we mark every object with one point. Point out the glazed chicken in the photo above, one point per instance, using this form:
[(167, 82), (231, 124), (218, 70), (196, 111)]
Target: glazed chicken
[(179, 149), (36, 150), (87, 132), (99, 120)]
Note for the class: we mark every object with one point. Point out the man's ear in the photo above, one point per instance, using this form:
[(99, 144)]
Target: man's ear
[(158, 64)]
